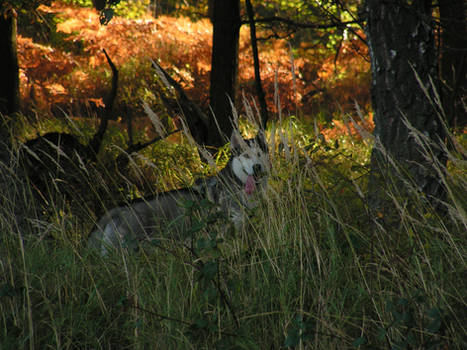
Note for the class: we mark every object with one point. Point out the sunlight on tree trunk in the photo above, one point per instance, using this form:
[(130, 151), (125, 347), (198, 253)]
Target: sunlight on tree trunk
[(404, 67), (453, 60)]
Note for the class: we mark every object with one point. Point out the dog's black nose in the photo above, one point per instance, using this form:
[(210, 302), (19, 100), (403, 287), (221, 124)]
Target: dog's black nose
[(257, 169)]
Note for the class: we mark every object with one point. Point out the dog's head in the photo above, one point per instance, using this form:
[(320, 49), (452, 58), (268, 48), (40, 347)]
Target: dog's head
[(250, 160)]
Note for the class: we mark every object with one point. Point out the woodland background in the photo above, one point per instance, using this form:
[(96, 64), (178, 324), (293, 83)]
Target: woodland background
[(62, 67)]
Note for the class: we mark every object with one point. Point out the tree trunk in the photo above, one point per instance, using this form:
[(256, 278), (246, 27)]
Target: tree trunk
[(259, 86), (9, 71), (401, 42), (16, 208), (224, 66), (9, 81), (453, 61)]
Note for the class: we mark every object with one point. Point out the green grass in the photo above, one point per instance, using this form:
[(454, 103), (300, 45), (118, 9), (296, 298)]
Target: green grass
[(311, 271)]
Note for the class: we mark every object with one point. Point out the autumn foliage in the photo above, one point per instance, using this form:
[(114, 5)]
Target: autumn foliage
[(307, 82)]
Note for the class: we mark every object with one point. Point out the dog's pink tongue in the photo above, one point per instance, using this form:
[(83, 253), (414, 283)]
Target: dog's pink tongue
[(250, 184)]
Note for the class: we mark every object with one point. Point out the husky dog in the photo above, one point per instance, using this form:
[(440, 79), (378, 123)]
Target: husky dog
[(231, 191)]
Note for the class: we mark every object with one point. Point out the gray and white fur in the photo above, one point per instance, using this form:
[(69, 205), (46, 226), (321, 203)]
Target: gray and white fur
[(231, 191)]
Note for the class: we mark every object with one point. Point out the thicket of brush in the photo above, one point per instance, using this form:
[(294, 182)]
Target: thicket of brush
[(313, 269)]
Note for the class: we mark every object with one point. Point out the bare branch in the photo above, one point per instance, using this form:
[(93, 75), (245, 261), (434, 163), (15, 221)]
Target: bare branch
[(335, 23), (95, 143)]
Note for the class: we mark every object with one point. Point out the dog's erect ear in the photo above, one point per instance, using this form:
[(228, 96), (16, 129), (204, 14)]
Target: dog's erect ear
[(260, 140), (235, 141)]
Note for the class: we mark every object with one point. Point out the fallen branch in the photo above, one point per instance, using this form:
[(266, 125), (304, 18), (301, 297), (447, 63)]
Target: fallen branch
[(139, 146), (196, 120)]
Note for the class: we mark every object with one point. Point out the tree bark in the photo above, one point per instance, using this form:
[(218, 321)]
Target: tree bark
[(224, 67), (259, 86), (9, 70), (453, 61), (9, 81), (94, 145), (401, 42), (15, 208)]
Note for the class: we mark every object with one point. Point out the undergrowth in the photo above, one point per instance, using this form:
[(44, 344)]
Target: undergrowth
[(67, 68), (313, 269)]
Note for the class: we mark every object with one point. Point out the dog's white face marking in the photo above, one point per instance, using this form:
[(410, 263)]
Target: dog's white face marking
[(250, 162), (244, 164)]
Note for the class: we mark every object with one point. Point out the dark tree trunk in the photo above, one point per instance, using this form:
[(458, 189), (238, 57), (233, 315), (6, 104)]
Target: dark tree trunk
[(224, 66), (401, 40), (259, 86), (453, 60), (14, 201), (94, 145), (9, 79), (9, 71)]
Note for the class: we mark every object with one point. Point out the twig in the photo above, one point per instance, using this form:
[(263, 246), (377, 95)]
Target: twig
[(139, 146), (168, 318)]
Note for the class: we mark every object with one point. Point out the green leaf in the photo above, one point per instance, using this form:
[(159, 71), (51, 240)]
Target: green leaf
[(399, 345), (122, 301), (197, 226), (433, 345), (411, 339), (433, 313), (7, 290), (359, 341), (419, 297), (106, 15), (434, 326), (200, 323), (381, 334), (406, 318), (202, 243), (211, 292), (187, 204), (137, 324), (403, 302), (215, 253), (292, 339), (213, 217), (209, 270), (206, 204)]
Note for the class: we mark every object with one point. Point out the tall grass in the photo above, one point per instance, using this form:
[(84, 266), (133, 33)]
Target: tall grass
[(312, 270)]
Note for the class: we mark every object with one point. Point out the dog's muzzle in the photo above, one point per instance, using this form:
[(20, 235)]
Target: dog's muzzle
[(257, 171), (253, 180)]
